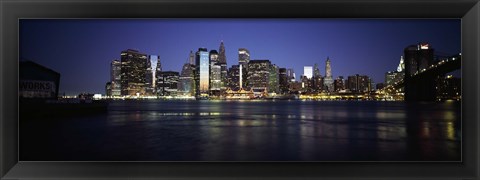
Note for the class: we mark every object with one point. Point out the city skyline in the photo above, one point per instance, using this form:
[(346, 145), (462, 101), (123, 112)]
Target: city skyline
[(353, 57)]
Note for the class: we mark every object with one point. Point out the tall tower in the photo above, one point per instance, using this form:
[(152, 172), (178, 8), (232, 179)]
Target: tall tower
[(222, 60), (158, 70), (115, 77), (308, 71), (221, 55), (134, 66), (243, 59), (328, 81), (191, 58), (316, 70), (202, 73), (401, 65)]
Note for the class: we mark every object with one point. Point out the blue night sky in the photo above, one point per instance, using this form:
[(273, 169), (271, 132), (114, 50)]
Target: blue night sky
[(81, 50)]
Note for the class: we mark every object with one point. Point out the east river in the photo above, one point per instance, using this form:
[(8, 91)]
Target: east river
[(281, 130)]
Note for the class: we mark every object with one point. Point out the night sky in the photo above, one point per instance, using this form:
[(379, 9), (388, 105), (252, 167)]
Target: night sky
[(81, 50)]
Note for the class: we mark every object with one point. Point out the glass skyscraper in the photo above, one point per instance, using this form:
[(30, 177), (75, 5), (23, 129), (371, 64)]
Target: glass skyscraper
[(202, 73)]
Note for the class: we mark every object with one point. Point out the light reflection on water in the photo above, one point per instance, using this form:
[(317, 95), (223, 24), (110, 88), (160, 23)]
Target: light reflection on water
[(271, 131)]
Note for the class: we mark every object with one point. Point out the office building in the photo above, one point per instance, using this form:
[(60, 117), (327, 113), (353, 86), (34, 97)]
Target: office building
[(358, 83), (316, 70), (283, 80), (274, 81), (234, 77), (115, 78), (308, 71), (186, 82), (339, 84), (258, 76), (328, 80), (167, 83), (134, 66), (37, 81), (202, 73)]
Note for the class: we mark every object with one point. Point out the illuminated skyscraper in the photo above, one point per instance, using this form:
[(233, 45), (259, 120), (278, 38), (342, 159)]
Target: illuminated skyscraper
[(359, 83), (339, 84), (258, 76), (316, 70), (215, 73), (243, 56), (168, 83), (401, 65), (202, 73), (222, 59), (133, 72), (328, 80), (234, 77), (158, 70), (291, 75), (115, 78), (273, 80), (308, 71), (243, 59), (186, 82), (283, 80)]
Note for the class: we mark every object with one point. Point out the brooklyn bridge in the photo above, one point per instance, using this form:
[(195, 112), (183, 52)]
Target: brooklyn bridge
[(420, 85)]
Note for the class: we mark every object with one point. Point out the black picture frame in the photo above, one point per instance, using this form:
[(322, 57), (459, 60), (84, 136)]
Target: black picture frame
[(11, 11)]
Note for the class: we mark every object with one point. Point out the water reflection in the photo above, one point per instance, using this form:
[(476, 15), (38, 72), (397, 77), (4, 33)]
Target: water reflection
[(270, 131)]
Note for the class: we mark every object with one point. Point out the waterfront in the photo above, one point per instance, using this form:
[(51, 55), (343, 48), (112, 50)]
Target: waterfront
[(155, 130)]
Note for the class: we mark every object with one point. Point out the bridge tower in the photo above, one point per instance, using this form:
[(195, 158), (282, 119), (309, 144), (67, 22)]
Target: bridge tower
[(417, 59)]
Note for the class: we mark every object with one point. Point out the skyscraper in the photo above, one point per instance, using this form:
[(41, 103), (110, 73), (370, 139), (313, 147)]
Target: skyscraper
[(215, 73), (115, 78), (186, 82), (359, 83), (283, 80), (158, 70), (222, 59), (243, 59), (339, 84), (133, 72), (202, 73), (191, 58), (168, 83), (418, 58), (291, 75), (308, 71), (401, 65), (258, 76), (328, 80), (234, 77), (316, 70), (243, 56), (273, 80)]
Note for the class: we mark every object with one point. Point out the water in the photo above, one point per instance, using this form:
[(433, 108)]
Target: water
[(157, 130)]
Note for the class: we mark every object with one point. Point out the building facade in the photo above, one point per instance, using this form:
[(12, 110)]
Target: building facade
[(115, 78), (168, 83), (328, 80), (202, 73), (134, 66), (258, 75)]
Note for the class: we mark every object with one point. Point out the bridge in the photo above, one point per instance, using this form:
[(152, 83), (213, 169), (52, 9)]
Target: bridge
[(421, 85)]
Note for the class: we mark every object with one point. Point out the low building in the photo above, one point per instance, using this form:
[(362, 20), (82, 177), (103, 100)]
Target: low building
[(37, 81)]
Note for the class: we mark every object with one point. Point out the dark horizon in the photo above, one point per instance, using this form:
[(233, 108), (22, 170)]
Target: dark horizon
[(81, 50)]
